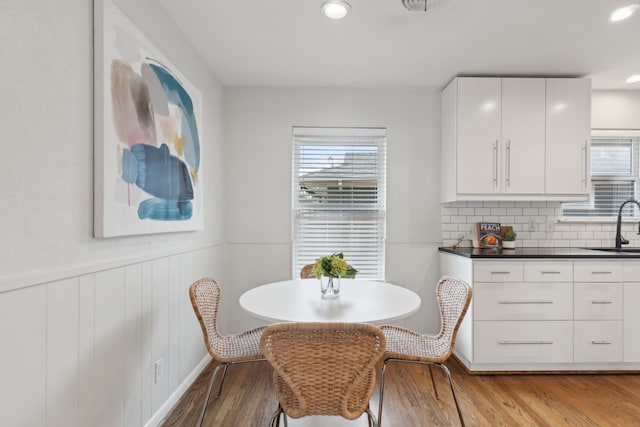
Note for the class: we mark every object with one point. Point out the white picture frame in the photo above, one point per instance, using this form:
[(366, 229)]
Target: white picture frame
[(147, 134)]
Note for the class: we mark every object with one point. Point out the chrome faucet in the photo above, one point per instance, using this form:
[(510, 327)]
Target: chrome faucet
[(619, 239)]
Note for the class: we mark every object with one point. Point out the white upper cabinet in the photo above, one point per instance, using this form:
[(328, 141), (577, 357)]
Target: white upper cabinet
[(523, 140), (477, 154), (496, 137), (568, 136)]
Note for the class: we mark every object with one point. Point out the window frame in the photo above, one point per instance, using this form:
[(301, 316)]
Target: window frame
[(634, 177), (360, 209)]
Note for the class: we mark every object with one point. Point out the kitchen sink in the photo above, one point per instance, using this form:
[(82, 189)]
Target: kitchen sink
[(627, 250)]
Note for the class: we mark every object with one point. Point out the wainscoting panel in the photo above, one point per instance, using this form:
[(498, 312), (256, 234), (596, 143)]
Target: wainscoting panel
[(62, 364), (23, 386), (81, 351)]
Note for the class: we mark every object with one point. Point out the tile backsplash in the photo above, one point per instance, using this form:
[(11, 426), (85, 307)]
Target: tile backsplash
[(538, 224)]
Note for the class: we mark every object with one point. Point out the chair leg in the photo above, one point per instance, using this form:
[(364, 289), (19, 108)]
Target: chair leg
[(384, 367), (214, 374), (224, 375), (275, 420), (433, 383), (455, 399), (371, 419)]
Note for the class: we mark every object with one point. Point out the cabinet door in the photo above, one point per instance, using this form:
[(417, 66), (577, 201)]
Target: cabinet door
[(477, 154), (523, 135), (631, 323), (568, 135)]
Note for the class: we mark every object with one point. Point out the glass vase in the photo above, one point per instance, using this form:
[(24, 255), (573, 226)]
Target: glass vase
[(329, 287)]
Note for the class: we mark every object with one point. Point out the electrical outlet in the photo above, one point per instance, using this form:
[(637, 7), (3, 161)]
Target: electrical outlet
[(532, 225), (550, 226), (159, 370)]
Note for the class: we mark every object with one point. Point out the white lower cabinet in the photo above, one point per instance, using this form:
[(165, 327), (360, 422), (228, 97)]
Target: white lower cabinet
[(631, 313), (549, 315)]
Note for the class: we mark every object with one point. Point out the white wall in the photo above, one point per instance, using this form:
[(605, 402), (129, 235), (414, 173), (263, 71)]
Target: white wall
[(259, 173), (84, 319), (615, 109)]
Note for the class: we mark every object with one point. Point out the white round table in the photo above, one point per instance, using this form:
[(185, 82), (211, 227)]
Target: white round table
[(360, 301)]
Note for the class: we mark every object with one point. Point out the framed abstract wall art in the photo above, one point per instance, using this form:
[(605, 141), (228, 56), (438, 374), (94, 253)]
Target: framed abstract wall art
[(147, 152)]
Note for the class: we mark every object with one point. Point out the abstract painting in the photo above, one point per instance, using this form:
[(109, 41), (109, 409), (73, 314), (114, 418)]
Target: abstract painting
[(148, 171)]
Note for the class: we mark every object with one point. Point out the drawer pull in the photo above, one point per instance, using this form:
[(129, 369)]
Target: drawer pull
[(526, 302), (601, 272), (509, 342), (500, 272), (551, 272), (601, 302), (600, 342)]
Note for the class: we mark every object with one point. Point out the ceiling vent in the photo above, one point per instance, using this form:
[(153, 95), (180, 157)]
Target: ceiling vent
[(420, 5)]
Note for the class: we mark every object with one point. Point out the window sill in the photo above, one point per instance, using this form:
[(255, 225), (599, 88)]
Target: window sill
[(595, 220)]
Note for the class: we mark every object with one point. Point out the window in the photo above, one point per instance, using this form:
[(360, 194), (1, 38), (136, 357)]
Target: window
[(339, 202), (614, 178)]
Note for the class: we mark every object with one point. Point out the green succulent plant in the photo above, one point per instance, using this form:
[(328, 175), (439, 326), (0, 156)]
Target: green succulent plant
[(509, 236)]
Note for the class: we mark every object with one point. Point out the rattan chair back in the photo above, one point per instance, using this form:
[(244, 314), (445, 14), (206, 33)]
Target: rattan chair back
[(454, 297), (307, 272), (205, 299), (323, 368)]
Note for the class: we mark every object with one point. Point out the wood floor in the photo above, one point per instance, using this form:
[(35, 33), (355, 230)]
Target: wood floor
[(486, 400)]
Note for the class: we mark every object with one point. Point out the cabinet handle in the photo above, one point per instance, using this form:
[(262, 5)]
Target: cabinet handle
[(601, 302), (526, 302), (500, 272), (508, 172), (551, 272), (495, 164), (601, 342), (509, 342), (601, 272)]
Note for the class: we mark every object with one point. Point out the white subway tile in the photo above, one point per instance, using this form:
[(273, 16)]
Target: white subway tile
[(450, 227), (448, 211), (483, 211)]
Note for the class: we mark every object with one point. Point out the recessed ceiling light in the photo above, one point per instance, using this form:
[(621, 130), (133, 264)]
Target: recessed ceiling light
[(623, 12), (336, 9), (633, 79)]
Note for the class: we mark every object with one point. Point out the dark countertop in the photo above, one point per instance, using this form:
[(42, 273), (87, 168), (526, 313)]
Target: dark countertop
[(548, 253)]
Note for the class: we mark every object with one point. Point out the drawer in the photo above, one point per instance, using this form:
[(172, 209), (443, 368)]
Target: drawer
[(504, 271), (597, 341), (597, 271), (548, 271), (523, 342), (593, 301), (523, 301)]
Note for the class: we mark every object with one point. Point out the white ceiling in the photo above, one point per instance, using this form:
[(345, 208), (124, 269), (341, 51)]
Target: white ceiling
[(288, 43)]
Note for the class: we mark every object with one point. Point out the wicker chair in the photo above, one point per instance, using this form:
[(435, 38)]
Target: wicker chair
[(225, 349), (403, 345), (307, 272), (323, 368)]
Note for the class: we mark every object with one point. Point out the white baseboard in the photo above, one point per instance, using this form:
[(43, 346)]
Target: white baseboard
[(157, 418)]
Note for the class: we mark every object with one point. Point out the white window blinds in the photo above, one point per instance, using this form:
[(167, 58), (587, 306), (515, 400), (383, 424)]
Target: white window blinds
[(339, 197), (614, 178)]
